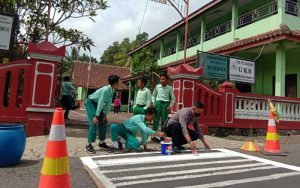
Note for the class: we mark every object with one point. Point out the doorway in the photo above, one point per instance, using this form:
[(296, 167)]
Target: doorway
[(290, 85)]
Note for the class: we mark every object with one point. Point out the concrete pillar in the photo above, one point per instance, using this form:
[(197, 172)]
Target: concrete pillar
[(280, 71), (177, 44), (281, 11), (202, 34), (161, 51), (234, 18)]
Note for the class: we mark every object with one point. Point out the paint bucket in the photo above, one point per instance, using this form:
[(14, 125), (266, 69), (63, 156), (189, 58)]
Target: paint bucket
[(166, 148)]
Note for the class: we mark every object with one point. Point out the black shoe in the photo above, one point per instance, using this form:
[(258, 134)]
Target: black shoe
[(176, 149), (104, 146), (154, 139), (120, 144), (90, 149)]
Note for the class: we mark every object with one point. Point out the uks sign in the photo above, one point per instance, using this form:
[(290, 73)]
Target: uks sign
[(242, 70)]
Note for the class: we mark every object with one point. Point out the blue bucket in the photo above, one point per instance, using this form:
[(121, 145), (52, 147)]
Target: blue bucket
[(166, 148), (12, 144)]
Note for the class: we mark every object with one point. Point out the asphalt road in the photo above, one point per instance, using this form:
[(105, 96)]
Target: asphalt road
[(26, 175)]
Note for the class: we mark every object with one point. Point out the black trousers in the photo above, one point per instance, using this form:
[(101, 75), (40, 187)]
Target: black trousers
[(67, 102), (117, 109), (175, 132)]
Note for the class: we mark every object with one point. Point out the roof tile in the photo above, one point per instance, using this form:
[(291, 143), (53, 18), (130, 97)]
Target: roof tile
[(98, 74)]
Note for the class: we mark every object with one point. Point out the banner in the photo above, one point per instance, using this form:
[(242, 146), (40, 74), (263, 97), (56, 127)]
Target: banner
[(6, 23), (242, 70)]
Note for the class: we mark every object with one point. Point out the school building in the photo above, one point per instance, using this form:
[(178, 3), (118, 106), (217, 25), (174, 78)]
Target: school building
[(265, 31), (264, 34)]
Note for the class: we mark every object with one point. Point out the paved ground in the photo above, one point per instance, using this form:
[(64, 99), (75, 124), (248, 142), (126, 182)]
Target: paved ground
[(26, 174), (217, 168)]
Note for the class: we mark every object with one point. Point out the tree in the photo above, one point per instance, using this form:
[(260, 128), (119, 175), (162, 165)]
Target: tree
[(72, 57), (140, 39), (144, 62), (116, 54), (33, 15), (109, 54)]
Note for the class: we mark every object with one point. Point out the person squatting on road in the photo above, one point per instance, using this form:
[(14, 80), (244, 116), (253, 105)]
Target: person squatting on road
[(183, 127), (163, 100), (129, 129), (98, 106), (143, 97)]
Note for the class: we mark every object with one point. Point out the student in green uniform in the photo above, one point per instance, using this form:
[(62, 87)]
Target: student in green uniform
[(98, 106), (129, 129), (66, 92), (163, 100), (143, 97)]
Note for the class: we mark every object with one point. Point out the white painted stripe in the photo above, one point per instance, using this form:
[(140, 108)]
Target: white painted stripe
[(271, 122), (266, 161), (151, 159), (57, 133), (125, 154), (185, 177), (87, 161), (185, 171), (175, 166), (247, 180), (79, 113), (145, 153)]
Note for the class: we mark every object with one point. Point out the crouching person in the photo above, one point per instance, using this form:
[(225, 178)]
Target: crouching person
[(183, 127), (129, 129)]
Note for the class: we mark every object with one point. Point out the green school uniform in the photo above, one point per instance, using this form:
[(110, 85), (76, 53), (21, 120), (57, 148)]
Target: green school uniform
[(129, 129), (163, 97), (142, 101), (99, 104)]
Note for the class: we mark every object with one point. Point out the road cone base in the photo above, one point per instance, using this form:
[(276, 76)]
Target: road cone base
[(272, 146), (273, 154), (57, 181)]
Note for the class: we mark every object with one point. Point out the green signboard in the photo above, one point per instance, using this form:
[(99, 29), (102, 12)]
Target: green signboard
[(215, 66)]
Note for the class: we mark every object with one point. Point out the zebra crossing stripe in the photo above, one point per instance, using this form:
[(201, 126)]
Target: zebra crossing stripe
[(242, 181), (181, 172), (185, 177), (175, 166), (151, 159), (266, 161)]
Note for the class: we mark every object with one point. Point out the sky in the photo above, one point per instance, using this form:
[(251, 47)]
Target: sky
[(123, 18)]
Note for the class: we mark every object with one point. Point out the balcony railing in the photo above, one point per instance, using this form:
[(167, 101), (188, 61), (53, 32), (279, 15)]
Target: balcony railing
[(257, 14), (169, 51), (291, 8), (218, 30), (191, 42)]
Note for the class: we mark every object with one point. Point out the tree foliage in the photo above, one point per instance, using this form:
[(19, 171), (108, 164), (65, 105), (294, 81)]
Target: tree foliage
[(33, 16), (73, 56), (116, 54)]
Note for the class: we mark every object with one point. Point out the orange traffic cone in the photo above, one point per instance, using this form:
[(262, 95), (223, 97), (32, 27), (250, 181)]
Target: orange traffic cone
[(272, 141), (250, 146), (55, 169)]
